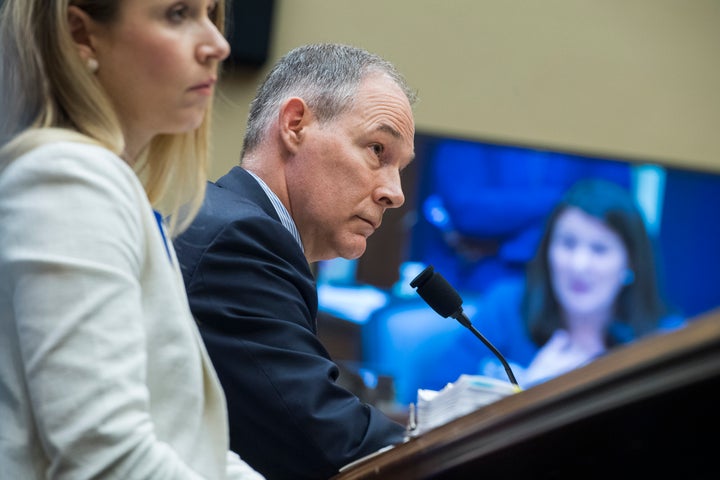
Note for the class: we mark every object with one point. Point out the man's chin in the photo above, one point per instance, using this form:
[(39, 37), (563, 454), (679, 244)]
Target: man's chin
[(354, 251)]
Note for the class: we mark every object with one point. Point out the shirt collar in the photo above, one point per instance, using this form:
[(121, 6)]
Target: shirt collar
[(282, 212)]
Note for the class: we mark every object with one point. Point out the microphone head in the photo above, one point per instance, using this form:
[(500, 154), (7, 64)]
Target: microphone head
[(437, 292)]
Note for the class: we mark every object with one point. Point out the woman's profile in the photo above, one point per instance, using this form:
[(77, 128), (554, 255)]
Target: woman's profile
[(103, 135)]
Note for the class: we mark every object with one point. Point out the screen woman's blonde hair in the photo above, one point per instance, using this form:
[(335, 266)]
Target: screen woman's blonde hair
[(48, 94)]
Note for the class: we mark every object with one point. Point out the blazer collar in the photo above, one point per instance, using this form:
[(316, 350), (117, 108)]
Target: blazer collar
[(239, 180)]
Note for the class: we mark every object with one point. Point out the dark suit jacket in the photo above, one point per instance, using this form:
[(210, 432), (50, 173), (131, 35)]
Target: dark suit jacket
[(254, 297)]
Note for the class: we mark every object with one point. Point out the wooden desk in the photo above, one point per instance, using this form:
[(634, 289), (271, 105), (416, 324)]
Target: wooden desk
[(652, 407)]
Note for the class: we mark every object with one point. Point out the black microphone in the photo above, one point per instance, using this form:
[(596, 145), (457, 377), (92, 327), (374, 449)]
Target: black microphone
[(446, 301)]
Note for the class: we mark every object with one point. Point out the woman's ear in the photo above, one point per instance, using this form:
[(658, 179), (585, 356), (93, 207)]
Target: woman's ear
[(80, 24), (294, 118)]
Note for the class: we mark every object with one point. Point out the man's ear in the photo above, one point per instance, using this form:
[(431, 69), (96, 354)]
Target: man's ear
[(295, 116), (80, 25)]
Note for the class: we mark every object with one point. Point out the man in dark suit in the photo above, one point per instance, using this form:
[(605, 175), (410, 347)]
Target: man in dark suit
[(328, 134)]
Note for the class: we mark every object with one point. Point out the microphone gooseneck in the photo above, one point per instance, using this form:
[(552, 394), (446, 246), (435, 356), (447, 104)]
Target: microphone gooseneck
[(446, 301)]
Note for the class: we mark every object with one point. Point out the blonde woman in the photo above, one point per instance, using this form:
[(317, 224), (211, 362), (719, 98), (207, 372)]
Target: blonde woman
[(104, 123)]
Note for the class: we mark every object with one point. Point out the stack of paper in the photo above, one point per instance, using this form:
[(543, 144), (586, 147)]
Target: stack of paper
[(465, 395)]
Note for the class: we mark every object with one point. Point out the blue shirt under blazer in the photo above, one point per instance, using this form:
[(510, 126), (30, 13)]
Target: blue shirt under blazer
[(255, 299)]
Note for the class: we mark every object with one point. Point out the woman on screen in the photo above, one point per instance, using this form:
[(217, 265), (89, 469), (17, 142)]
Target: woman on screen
[(591, 285)]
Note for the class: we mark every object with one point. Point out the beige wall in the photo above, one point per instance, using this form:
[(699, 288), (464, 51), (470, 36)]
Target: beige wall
[(637, 79)]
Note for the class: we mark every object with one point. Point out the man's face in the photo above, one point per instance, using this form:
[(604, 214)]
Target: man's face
[(346, 173)]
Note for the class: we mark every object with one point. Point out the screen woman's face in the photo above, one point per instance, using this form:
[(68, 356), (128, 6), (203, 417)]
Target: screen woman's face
[(588, 263)]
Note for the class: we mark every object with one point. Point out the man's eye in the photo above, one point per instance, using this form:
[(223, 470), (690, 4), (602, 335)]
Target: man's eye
[(178, 13), (377, 149)]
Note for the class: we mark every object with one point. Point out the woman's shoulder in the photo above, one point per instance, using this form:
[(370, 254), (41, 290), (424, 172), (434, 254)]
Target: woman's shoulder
[(64, 160), (69, 151), (69, 176), (42, 143)]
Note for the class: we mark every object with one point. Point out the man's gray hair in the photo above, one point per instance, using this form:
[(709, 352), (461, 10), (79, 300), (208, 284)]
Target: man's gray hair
[(325, 75)]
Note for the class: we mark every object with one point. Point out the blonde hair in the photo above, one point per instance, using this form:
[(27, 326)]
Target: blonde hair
[(47, 94)]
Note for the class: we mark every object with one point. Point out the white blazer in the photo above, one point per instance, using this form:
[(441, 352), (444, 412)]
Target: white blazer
[(102, 371)]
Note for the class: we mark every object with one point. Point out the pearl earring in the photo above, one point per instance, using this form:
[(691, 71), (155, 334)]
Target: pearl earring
[(92, 65)]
